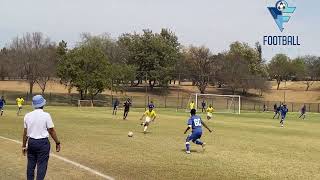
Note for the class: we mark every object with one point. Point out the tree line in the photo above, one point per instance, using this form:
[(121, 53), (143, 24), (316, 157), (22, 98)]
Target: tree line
[(97, 63)]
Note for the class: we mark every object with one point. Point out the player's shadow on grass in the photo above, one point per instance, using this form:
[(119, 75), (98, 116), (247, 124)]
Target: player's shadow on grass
[(145, 133), (194, 151)]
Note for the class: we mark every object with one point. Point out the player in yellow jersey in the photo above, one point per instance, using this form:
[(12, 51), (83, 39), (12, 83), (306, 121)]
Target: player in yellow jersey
[(192, 105), (150, 117), (20, 102), (210, 110)]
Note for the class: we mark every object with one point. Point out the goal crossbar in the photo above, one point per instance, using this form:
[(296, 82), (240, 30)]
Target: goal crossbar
[(219, 95)]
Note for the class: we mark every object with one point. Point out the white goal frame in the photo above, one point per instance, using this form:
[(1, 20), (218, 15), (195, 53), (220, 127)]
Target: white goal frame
[(218, 95)]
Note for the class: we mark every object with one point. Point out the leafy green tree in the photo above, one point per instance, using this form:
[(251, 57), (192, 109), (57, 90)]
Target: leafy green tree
[(62, 48), (242, 67), (199, 66), (298, 69), (113, 50), (279, 68), (152, 54), (86, 68), (312, 70), (121, 76)]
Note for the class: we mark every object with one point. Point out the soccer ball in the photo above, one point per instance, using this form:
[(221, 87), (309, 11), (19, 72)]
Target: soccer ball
[(130, 134), (281, 5)]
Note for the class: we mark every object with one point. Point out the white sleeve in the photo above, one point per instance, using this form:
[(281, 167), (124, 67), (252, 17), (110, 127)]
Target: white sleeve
[(49, 122), (24, 122)]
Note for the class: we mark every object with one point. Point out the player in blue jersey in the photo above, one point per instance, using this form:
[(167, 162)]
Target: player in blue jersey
[(2, 104), (195, 123), (284, 110)]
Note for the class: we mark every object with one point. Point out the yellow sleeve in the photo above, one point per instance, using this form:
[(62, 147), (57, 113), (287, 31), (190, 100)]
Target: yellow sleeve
[(146, 113), (154, 114)]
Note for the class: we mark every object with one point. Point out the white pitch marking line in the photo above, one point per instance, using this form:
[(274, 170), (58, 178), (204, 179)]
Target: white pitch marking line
[(70, 162)]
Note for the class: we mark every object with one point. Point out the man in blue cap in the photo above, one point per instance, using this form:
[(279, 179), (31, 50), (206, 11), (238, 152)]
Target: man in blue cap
[(37, 127)]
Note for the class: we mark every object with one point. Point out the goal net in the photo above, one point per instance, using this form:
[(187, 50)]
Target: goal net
[(92, 103), (220, 103)]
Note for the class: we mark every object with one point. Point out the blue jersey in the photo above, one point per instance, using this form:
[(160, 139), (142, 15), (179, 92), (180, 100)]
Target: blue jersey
[(195, 123), (284, 111), (2, 102)]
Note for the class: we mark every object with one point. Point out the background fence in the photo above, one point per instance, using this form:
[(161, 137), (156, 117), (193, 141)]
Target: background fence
[(178, 102)]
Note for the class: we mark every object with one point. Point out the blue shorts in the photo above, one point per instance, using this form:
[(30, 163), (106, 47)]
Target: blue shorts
[(194, 136), (283, 117), (1, 107)]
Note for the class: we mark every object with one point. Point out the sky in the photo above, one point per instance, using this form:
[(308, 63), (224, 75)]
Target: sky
[(211, 23)]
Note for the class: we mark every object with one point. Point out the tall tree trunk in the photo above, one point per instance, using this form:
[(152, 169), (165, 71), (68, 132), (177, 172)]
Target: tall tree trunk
[(233, 90), (31, 83), (308, 86), (278, 83), (151, 84), (81, 94)]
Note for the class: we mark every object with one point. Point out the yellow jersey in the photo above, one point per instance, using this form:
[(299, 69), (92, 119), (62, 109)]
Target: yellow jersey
[(210, 109), (150, 114), (191, 105), (20, 101)]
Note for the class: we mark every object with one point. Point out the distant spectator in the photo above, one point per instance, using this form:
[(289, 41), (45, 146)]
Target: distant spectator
[(264, 108), (303, 112)]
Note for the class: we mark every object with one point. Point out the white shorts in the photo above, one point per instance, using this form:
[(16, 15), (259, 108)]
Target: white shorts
[(209, 114), (147, 120)]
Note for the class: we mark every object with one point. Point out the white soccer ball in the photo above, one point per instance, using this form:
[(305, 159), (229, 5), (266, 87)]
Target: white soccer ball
[(130, 134), (281, 5)]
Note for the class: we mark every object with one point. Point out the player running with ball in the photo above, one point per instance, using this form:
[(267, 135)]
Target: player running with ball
[(150, 117), (195, 123)]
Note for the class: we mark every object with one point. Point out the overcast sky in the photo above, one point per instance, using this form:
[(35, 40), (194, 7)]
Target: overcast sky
[(211, 23)]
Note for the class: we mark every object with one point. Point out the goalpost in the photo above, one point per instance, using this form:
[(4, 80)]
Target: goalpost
[(221, 103)]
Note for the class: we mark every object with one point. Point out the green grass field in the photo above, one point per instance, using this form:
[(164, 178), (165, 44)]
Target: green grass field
[(246, 146)]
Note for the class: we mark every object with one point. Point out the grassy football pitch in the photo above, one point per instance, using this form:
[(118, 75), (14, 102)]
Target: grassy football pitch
[(246, 146)]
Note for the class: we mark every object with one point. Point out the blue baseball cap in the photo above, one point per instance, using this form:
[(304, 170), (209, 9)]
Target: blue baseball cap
[(38, 101)]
